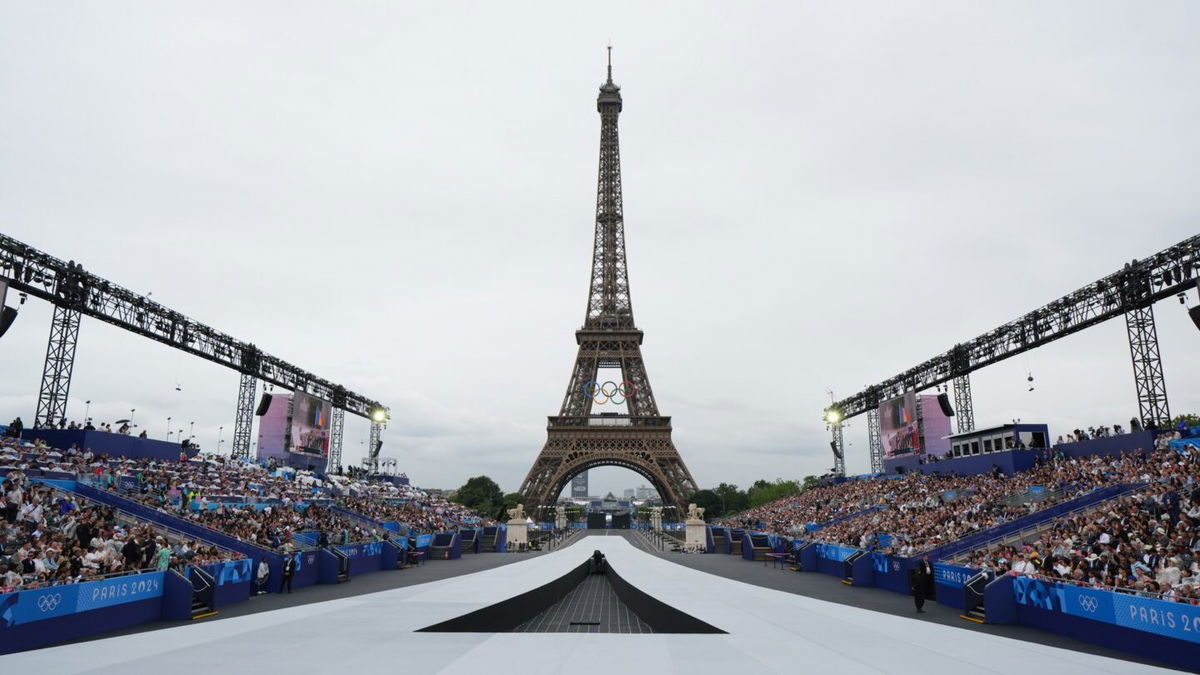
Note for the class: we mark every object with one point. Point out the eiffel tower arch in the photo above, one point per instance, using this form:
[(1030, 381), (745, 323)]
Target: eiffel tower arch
[(579, 438)]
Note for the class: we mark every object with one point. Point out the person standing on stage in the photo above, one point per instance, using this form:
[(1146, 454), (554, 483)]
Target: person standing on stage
[(920, 581)]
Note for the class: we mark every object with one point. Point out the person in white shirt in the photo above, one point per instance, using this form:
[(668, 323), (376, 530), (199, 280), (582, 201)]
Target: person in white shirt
[(1022, 566)]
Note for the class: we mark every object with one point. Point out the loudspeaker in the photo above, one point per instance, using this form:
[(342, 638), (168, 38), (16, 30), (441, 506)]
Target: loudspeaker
[(9, 315), (833, 446), (263, 405), (1193, 312), (944, 402)]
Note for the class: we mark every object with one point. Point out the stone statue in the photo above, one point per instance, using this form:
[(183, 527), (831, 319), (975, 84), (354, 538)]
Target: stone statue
[(517, 513), (695, 512)]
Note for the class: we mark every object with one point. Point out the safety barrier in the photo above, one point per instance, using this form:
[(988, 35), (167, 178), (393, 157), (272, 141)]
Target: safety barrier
[(45, 616), (445, 546), (720, 537), (1148, 627), (188, 528), (950, 584), (756, 546), (468, 541)]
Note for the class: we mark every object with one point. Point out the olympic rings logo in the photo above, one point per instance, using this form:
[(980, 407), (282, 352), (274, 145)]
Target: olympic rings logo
[(1088, 603), (49, 603), (609, 392)]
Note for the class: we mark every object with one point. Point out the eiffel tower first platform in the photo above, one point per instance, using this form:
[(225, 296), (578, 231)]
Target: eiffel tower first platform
[(577, 438)]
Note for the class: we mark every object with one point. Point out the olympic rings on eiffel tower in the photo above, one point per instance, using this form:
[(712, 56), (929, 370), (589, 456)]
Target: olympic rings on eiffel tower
[(609, 392)]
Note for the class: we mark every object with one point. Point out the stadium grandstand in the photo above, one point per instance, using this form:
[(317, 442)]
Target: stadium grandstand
[(383, 192)]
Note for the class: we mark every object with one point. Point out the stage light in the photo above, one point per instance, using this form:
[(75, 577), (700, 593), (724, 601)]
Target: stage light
[(833, 416), (379, 415)]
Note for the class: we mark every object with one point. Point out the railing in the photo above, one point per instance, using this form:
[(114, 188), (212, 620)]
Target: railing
[(203, 584), (1038, 528), (191, 523), (159, 528), (102, 577), (604, 420), (974, 590)]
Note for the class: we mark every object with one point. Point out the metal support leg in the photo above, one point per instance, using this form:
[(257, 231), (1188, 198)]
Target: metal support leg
[(56, 374), (964, 408), (839, 455), (875, 441), (373, 447), (244, 420), (336, 423), (1147, 368)]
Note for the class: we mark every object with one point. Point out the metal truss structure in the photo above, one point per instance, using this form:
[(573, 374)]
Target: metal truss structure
[(1147, 368), (337, 424), (56, 373), (1128, 291), (875, 441), (374, 444), (964, 406), (76, 292), (243, 420), (640, 438), (839, 448)]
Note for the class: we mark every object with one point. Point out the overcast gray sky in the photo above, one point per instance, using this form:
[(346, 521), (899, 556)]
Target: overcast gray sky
[(399, 197)]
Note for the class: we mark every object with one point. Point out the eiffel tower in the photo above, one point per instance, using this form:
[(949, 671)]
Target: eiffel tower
[(639, 439)]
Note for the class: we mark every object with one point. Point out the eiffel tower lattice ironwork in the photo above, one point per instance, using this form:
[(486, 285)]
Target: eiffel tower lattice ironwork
[(579, 438)]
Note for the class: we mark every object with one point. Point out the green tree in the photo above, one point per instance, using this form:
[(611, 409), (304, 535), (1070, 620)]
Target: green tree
[(707, 500), (481, 494), (1192, 420), (511, 500), (763, 492), (810, 482), (731, 498)]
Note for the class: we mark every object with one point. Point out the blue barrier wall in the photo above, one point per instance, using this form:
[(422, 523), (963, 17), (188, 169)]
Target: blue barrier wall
[(831, 559), (1009, 461), (1105, 447), (101, 442), (233, 580), (469, 541), (364, 558), (36, 618), (1155, 629), (862, 571), (390, 559), (950, 584), (328, 567), (890, 572)]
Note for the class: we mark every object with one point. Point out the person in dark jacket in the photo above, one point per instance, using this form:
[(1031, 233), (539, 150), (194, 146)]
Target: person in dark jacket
[(132, 553), (289, 568), (920, 583)]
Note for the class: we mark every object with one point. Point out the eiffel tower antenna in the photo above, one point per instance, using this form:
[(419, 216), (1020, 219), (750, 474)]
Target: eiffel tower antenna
[(578, 438)]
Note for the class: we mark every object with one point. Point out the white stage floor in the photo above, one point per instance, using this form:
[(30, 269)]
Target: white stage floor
[(768, 631)]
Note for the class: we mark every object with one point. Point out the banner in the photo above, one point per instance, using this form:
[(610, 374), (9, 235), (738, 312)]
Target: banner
[(49, 603), (363, 550), (952, 576), (230, 571), (834, 552), (1175, 620)]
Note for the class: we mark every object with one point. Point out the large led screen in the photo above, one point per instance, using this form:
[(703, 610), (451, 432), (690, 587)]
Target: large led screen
[(310, 424), (898, 426)]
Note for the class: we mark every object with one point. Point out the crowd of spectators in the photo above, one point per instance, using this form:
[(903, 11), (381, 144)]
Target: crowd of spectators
[(919, 512), (263, 505), (1147, 542), (419, 514), (50, 537), (816, 505)]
